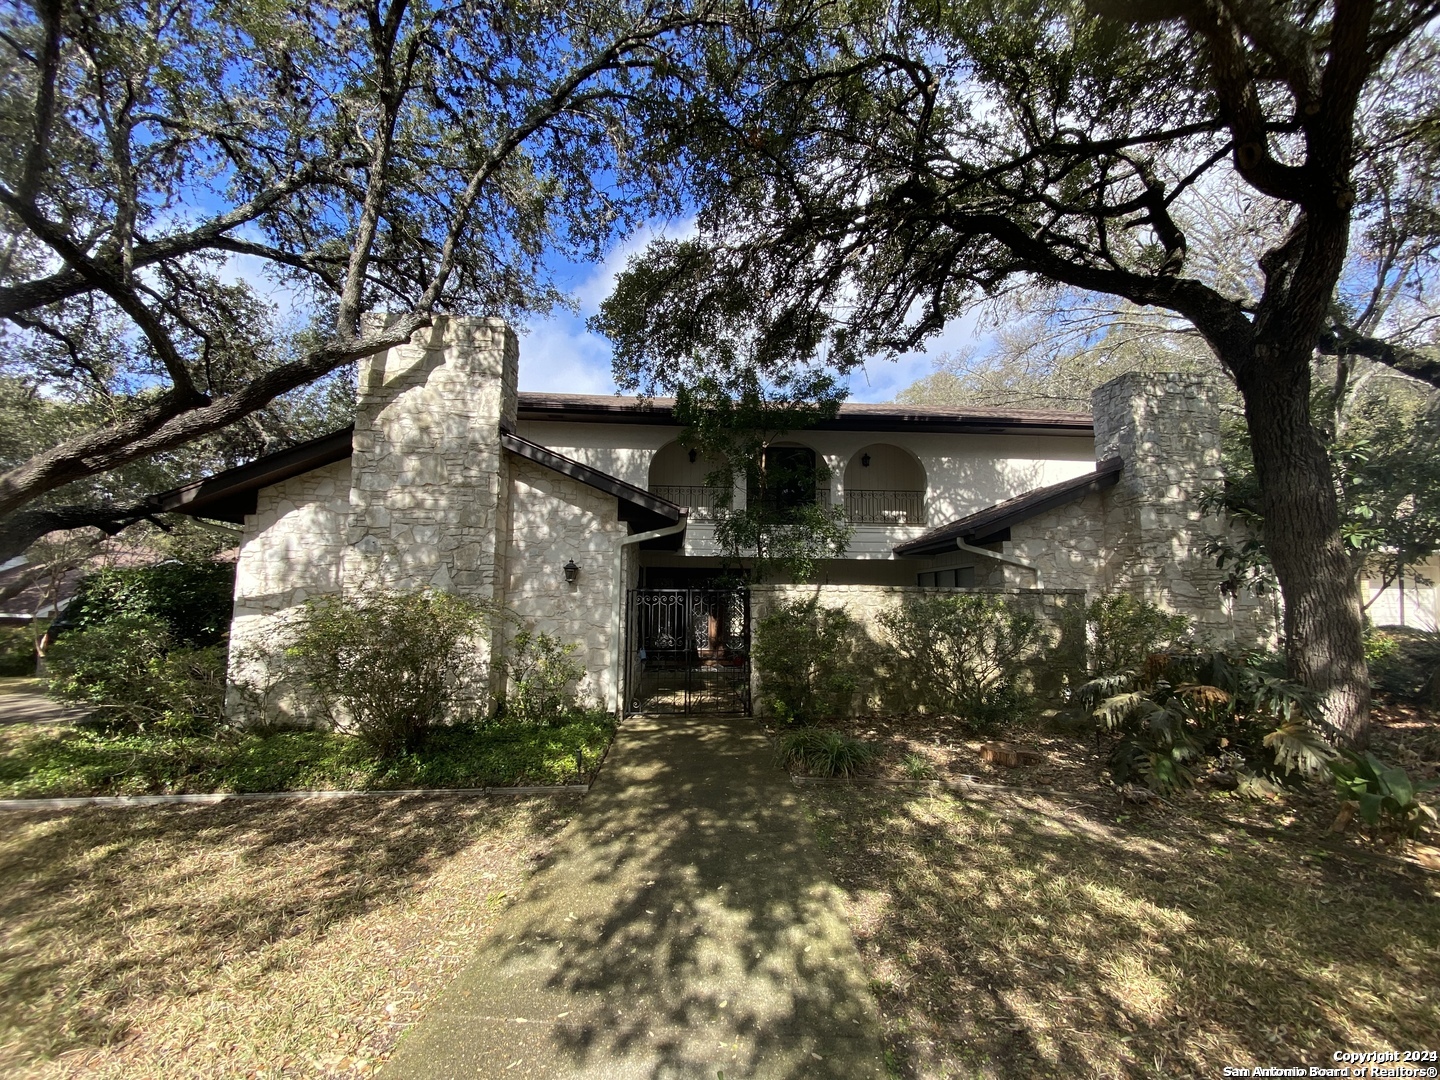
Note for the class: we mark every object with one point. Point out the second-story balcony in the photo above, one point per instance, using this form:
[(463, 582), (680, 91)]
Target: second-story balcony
[(696, 498), (883, 506)]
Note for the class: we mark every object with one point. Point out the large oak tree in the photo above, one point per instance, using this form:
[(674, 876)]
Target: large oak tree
[(379, 155), (905, 160)]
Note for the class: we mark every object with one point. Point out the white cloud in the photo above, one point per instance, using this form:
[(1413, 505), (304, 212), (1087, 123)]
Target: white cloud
[(557, 353)]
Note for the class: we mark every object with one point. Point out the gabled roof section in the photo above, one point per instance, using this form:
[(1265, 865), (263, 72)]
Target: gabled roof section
[(637, 506), (859, 416), (230, 495), (982, 525)]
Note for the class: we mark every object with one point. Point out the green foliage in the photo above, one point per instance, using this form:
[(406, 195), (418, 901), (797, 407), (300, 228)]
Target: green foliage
[(1405, 663), (917, 767), (1177, 711), (90, 762), (133, 672), (824, 753), (802, 652), (17, 651), (786, 524), (1124, 631), (393, 663), (1382, 793), (964, 653), (543, 677), (192, 599)]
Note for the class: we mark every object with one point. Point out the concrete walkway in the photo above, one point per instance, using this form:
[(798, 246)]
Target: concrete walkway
[(30, 706), (684, 927)]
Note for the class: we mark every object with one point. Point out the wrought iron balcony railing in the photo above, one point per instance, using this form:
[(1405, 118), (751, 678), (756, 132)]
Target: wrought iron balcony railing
[(696, 498), (872, 506)]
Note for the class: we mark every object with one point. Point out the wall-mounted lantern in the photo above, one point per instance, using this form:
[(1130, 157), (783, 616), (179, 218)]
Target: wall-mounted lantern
[(693, 456), (864, 461), (571, 572)]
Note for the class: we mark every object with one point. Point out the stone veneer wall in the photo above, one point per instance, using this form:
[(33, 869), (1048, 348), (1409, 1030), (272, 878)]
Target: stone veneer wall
[(885, 689), (292, 548), (1146, 535), (554, 519), (428, 504)]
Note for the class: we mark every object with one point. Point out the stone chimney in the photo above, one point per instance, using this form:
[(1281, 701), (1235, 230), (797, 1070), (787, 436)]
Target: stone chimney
[(1166, 429), (428, 489)]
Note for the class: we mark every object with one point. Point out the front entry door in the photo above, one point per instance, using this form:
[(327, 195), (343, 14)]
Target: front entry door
[(688, 651)]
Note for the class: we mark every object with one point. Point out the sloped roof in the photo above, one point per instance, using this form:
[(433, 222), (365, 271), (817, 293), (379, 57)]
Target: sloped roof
[(980, 526), (230, 495), (856, 416)]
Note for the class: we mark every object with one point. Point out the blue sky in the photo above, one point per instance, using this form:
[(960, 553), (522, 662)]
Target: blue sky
[(557, 354)]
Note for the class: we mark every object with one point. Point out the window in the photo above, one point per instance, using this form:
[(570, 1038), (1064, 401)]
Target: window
[(960, 577), (790, 479)]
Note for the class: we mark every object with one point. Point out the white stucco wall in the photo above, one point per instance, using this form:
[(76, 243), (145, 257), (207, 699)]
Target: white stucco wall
[(554, 519)]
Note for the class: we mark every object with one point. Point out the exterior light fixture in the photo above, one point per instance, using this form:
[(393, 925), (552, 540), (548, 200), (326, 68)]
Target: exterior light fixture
[(571, 572), (693, 456), (865, 461)]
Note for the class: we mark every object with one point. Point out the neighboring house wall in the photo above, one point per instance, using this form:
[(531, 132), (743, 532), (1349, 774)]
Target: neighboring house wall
[(1413, 601), (292, 548), (555, 519)]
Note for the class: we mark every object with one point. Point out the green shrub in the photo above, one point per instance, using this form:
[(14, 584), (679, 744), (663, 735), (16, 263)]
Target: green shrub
[(132, 673), (193, 599), (1124, 631), (964, 653), (393, 662), (824, 753), (1405, 663), (802, 652), (17, 651), (543, 678), (1177, 711), (1384, 795)]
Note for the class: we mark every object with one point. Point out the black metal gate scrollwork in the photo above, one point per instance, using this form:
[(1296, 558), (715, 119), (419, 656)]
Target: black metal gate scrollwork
[(688, 651)]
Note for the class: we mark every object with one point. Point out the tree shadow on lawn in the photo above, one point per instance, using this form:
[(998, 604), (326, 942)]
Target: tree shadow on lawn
[(686, 927), (105, 913), (1019, 937)]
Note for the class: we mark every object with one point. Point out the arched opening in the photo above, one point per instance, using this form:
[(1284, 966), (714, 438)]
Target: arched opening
[(884, 485), (679, 474)]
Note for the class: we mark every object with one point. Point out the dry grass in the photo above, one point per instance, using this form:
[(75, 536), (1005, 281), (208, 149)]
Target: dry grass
[(262, 940), (1027, 937)]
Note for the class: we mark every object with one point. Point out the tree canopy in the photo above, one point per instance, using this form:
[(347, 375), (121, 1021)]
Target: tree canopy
[(390, 155)]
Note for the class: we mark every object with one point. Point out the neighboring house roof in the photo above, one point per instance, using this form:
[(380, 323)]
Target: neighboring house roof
[(614, 409), (989, 524), (230, 495)]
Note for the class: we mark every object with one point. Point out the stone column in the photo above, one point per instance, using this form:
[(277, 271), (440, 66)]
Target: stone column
[(428, 497), (1166, 429)]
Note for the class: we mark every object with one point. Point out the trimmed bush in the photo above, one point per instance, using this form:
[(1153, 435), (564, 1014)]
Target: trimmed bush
[(393, 663), (965, 653), (1124, 631), (802, 652)]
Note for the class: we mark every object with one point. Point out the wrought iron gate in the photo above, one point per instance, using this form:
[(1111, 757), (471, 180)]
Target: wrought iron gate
[(688, 651)]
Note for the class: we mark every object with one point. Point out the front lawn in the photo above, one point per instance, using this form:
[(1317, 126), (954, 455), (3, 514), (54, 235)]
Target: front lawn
[(246, 940), (41, 761), (1031, 936)]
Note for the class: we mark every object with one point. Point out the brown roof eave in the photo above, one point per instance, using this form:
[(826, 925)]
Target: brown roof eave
[(984, 524), (230, 495)]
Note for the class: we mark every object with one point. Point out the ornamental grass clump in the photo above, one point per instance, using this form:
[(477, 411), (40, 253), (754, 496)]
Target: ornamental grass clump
[(392, 664), (825, 753)]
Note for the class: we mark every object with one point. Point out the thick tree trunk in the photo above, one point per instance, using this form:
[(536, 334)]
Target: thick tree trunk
[(1324, 627)]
